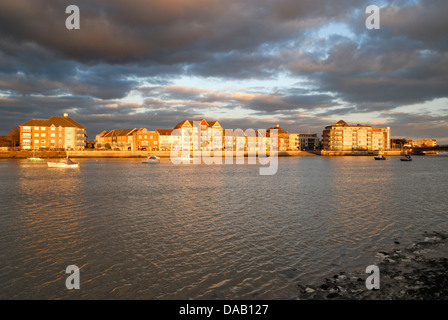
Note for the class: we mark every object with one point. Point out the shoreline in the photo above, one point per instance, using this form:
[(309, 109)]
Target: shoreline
[(416, 272), (166, 154)]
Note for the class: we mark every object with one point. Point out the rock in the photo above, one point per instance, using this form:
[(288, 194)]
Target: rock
[(310, 290)]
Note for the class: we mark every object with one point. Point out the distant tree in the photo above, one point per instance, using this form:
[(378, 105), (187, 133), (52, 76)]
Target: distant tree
[(107, 146), (14, 136)]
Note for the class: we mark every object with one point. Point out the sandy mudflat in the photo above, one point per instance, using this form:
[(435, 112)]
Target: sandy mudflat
[(417, 272)]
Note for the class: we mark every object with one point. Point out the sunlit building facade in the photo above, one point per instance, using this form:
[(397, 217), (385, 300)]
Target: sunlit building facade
[(344, 137), (53, 133)]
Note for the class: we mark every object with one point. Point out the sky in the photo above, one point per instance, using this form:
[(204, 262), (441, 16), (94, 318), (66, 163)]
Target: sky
[(302, 64)]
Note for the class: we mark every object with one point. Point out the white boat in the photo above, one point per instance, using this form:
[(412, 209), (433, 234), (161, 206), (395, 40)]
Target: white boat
[(63, 163), (380, 157), (151, 159), (34, 158), (186, 157)]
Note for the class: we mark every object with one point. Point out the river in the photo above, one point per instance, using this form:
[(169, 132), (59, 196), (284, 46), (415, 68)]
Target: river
[(170, 231)]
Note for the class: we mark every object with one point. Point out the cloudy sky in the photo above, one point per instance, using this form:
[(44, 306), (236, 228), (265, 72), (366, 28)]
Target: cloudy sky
[(303, 64)]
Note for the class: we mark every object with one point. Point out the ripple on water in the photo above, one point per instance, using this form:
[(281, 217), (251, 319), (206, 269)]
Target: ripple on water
[(206, 232)]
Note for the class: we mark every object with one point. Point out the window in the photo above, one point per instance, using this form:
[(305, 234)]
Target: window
[(42, 128), (36, 135), (52, 141), (36, 141), (42, 141), (36, 128), (53, 128), (42, 134), (150, 137), (53, 135)]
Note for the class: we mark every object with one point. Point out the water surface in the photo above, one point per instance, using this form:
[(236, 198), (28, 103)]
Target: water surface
[(207, 232)]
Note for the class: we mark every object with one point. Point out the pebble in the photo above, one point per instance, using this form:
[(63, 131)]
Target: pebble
[(309, 290)]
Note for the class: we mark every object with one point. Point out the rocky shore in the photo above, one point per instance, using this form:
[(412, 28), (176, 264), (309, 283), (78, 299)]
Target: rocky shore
[(418, 272)]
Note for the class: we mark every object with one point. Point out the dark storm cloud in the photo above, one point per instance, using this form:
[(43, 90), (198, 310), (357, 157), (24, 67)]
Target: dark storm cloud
[(175, 31)]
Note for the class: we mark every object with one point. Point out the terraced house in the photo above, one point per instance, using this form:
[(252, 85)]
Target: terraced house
[(135, 139), (53, 133)]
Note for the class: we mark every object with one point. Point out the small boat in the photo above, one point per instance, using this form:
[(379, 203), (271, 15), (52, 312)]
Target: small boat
[(34, 158), (186, 157), (406, 158), (151, 159), (63, 163), (379, 157)]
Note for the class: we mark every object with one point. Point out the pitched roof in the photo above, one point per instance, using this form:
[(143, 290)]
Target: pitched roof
[(181, 124), (64, 122), (277, 127), (164, 132), (341, 123), (36, 122), (191, 122)]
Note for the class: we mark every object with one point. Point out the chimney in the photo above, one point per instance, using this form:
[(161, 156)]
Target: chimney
[(66, 115)]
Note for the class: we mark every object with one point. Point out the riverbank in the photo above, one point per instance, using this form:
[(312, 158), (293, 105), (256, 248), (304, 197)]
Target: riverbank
[(418, 272), (27, 154), (166, 154)]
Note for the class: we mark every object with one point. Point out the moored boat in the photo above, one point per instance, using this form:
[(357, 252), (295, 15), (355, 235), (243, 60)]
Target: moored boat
[(63, 163), (151, 159), (186, 157), (406, 158), (34, 158), (380, 157)]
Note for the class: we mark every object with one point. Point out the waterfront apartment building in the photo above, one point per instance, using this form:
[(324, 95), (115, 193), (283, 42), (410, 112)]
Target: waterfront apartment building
[(344, 137), (134, 139), (186, 132), (53, 133)]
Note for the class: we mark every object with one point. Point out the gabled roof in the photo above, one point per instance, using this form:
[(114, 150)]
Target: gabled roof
[(191, 122), (119, 132), (164, 132), (214, 123), (181, 124)]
